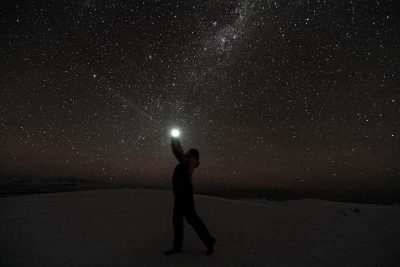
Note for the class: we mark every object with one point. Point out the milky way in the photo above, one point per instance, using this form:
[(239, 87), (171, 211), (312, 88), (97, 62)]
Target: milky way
[(272, 93)]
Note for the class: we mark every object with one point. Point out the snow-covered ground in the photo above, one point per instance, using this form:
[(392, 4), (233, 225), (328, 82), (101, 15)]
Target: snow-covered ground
[(132, 227)]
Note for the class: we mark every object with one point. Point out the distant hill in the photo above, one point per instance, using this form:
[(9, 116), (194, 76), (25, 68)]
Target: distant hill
[(17, 185)]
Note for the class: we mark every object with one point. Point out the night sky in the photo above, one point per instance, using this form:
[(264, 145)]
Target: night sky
[(272, 93)]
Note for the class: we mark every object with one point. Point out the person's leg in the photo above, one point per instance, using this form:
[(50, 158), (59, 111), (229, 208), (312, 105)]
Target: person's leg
[(194, 220), (177, 222)]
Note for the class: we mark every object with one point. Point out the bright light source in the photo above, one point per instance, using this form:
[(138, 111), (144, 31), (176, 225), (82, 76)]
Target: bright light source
[(175, 133)]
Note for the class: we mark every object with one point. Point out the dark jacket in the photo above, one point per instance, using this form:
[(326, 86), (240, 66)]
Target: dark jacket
[(182, 177)]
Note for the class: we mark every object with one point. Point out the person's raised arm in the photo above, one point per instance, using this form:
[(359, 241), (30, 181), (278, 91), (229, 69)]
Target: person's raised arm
[(177, 149)]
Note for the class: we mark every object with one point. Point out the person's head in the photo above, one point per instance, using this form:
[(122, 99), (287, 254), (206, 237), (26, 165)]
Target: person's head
[(194, 156)]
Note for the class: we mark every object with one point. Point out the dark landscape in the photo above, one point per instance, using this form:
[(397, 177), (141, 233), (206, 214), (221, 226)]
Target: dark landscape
[(14, 186)]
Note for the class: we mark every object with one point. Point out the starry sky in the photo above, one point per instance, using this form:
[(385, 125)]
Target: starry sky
[(273, 93)]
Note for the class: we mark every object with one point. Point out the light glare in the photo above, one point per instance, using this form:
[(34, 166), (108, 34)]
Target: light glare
[(175, 133)]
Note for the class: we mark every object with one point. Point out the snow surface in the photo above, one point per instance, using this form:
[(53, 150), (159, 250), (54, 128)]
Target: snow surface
[(132, 227)]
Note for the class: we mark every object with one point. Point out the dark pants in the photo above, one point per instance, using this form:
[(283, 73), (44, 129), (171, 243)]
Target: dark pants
[(184, 208)]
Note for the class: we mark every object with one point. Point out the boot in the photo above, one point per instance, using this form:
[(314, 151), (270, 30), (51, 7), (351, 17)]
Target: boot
[(210, 247)]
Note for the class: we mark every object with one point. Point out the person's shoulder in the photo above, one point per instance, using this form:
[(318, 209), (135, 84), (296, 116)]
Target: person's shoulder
[(185, 160)]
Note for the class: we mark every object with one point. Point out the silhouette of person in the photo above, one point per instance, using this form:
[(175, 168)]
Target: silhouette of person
[(183, 202)]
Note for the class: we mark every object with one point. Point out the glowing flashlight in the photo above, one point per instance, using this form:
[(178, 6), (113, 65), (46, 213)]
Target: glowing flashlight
[(175, 133)]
